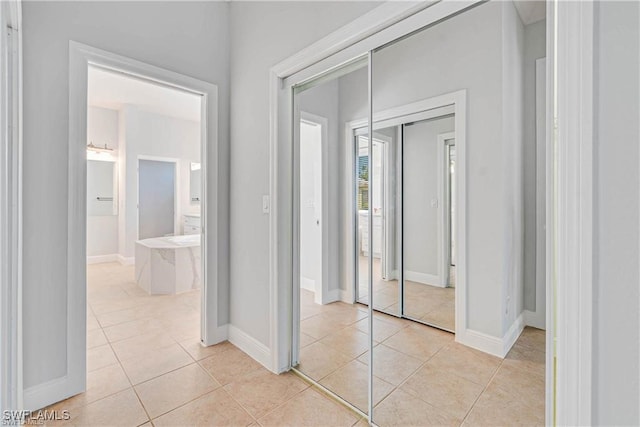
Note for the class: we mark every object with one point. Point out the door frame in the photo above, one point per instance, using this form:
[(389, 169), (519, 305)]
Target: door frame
[(11, 375), (322, 293), (444, 188), (80, 58), (176, 190)]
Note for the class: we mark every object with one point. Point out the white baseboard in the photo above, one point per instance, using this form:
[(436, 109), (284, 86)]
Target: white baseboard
[(512, 335), (97, 259), (424, 278), (490, 344), (308, 284), (535, 319), (480, 341), (220, 334), (332, 296), (45, 394), (346, 296), (126, 260), (254, 348)]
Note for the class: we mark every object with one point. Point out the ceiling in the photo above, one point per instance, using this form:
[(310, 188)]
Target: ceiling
[(108, 89), (531, 11)]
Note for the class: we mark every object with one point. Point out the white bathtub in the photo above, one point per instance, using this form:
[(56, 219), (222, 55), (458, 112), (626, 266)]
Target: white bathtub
[(168, 265)]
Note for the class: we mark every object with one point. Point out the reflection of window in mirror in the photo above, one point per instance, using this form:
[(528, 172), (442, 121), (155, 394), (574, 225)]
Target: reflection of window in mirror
[(195, 183), (101, 188)]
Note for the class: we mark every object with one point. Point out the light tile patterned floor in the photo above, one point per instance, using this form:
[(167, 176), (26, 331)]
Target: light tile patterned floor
[(146, 367), (422, 377)]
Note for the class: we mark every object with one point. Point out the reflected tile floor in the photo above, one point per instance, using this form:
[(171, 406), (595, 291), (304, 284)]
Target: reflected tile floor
[(421, 376), (430, 304), (145, 366)]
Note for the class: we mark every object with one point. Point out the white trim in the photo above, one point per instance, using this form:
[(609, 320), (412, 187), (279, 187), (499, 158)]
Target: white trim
[(308, 284), (251, 346), (97, 259), (535, 319), (80, 57), (573, 209), (126, 260), (493, 345), (444, 211), (424, 278), (11, 375), (384, 24)]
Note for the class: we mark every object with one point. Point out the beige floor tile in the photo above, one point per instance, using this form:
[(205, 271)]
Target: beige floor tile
[(134, 328), (92, 322), (319, 360), (443, 316), (169, 391), (381, 329), (527, 358), (391, 365), (107, 307), (305, 339), (320, 326), (228, 365), (533, 338), (402, 409), (122, 316), (497, 407), (122, 409), (105, 382), (99, 357), (419, 341), (309, 408), (95, 338), (260, 391), (216, 408), (443, 390), (465, 362), (163, 360), (520, 383), (199, 352), (351, 382), (141, 346), (349, 341)]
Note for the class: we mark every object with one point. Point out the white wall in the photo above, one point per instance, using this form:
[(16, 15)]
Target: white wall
[(421, 219), (262, 34), (150, 134), (616, 355), (102, 230), (310, 207), (186, 37)]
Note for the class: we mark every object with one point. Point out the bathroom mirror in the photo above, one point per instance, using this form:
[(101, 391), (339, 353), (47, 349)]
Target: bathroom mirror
[(102, 188), (195, 183)]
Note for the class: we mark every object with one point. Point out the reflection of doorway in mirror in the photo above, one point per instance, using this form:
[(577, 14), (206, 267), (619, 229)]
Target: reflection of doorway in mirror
[(451, 161)]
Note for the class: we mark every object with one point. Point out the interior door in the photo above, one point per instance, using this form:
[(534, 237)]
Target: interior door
[(156, 198)]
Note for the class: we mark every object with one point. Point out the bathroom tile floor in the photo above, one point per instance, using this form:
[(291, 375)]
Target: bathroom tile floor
[(145, 366), (421, 376)]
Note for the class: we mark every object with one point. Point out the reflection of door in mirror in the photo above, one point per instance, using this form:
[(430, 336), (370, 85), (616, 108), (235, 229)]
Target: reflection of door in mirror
[(382, 170), (101, 188), (427, 221)]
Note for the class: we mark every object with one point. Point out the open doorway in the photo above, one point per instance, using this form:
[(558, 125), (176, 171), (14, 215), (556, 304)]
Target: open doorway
[(145, 174)]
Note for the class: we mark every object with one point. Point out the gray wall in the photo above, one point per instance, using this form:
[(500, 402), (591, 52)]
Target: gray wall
[(421, 220), (189, 38), (616, 354), (534, 48), (263, 34)]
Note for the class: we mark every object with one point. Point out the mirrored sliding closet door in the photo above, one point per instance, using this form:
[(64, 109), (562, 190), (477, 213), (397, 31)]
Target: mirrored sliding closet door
[(417, 168)]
